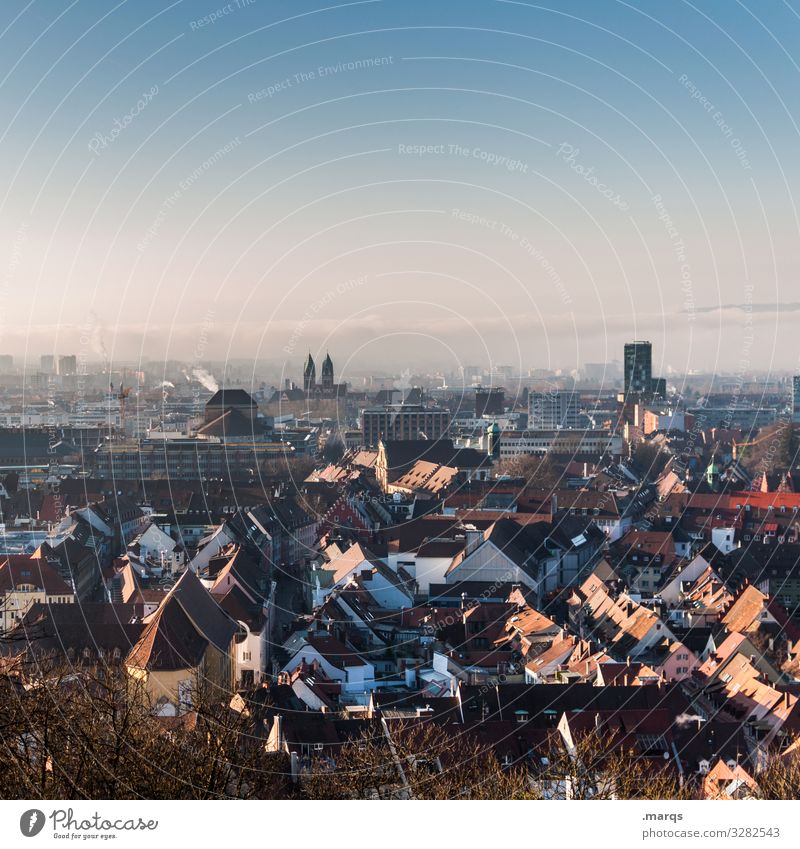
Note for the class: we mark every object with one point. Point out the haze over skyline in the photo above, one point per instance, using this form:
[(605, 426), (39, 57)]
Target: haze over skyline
[(401, 182)]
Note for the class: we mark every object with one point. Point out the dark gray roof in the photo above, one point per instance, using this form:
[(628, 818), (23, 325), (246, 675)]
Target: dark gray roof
[(203, 610), (401, 454), (231, 398), (61, 627), (229, 423)]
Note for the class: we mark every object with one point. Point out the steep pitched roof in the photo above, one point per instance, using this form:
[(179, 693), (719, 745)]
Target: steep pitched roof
[(169, 641), (242, 570), (179, 631), (745, 610), (353, 557)]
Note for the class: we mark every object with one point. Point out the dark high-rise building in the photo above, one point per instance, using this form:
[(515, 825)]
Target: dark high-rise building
[(489, 402), (659, 387), (796, 399), (638, 367)]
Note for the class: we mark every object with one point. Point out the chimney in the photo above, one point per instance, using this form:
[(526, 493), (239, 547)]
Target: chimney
[(473, 538), (553, 505)]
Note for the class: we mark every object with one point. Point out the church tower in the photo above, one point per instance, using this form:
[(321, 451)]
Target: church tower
[(327, 375), (309, 376)]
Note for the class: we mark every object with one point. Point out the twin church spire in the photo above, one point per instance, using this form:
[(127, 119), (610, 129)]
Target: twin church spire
[(310, 385)]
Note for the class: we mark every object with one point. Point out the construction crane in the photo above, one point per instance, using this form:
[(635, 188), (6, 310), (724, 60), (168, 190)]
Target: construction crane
[(122, 396)]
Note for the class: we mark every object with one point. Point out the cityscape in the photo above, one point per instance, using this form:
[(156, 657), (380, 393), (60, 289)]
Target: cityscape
[(596, 561), (399, 401)]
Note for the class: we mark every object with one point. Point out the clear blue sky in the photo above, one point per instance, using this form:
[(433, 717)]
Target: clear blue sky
[(401, 181)]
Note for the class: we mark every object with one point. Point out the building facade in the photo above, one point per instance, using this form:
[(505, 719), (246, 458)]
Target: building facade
[(514, 443), (402, 421), (185, 459), (553, 409), (638, 366), (796, 399)]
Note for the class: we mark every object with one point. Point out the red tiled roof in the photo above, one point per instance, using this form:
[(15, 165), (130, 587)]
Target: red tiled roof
[(18, 570)]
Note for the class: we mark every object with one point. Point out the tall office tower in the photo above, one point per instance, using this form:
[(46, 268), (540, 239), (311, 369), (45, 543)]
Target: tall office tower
[(796, 399), (638, 367), (68, 365)]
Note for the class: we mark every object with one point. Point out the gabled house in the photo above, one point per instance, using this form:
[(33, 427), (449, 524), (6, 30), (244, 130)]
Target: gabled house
[(359, 565), (528, 629), (188, 645), (157, 550), (243, 589), (338, 662), (539, 555), (545, 667), (729, 780)]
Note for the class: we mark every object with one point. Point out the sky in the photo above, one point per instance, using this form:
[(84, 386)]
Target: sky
[(403, 183)]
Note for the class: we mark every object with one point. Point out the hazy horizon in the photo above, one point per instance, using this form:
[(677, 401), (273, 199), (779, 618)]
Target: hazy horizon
[(401, 183)]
